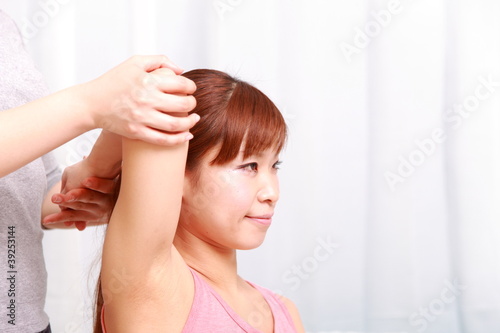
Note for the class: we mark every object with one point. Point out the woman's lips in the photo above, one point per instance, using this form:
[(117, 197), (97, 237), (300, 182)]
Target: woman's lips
[(262, 219)]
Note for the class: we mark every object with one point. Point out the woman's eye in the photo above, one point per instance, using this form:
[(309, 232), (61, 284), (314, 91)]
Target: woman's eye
[(277, 165), (250, 166)]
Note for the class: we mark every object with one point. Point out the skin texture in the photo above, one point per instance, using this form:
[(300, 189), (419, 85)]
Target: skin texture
[(237, 191)]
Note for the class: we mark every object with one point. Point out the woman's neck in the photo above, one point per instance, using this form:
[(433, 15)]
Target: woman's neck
[(216, 264)]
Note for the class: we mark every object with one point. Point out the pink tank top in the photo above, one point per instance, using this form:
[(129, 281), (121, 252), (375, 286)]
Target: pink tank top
[(210, 313)]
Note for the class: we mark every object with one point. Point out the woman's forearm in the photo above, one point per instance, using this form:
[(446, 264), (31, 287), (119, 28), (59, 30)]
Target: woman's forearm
[(105, 159), (149, 202)]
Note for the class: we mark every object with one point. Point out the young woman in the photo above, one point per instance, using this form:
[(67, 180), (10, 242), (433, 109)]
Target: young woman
[(169, 256)]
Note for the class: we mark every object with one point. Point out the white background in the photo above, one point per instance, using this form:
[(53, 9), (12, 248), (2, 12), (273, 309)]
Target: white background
[(371, 91)]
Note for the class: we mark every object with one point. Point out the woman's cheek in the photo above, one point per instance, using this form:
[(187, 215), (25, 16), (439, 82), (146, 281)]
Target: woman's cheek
[(217, 184), (229, 190)]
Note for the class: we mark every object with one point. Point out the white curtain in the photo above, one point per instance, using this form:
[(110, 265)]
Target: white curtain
[(389, 212)]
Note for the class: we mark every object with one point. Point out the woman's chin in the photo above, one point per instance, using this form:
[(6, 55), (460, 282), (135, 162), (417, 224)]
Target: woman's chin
[(250, 244)]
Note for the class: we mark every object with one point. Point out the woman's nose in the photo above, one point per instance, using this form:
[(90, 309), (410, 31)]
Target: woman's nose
[(269, 191)]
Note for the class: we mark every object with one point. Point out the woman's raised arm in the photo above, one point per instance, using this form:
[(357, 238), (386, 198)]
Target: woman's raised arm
[(138, 259)]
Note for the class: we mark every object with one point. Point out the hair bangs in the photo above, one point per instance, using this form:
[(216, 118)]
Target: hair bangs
[(234, 116), (252, 123)]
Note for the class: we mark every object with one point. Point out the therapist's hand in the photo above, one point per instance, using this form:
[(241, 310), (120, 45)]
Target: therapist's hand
[(84, 200), (132, 100)]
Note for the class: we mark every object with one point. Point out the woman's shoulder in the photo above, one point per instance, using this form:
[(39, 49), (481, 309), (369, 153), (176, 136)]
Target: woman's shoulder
[(287, 305), (294, 313)]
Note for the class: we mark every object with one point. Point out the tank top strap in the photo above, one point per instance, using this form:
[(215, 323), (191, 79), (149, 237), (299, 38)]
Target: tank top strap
[(211, 311), (283, 321), (102, 320)]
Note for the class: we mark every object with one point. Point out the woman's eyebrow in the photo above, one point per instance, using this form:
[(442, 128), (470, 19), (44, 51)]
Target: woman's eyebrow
[(258, 154)]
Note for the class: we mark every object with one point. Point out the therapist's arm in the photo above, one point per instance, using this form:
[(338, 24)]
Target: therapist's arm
[(129, 100)]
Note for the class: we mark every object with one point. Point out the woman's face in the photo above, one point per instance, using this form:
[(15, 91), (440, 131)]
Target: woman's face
[(231, 205)]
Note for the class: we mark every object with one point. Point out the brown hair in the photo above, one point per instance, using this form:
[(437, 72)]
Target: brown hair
[(232, 113)]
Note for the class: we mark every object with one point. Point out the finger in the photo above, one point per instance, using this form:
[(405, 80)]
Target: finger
[(87, 224), (154, 136), (76, 196), (173, 84), (62, 225), (101, 185), (89, 207), (163, 72), (71, 216), (171, 124), (57, 198), (152, 62), (81, 196), (80, 225), (171, 103)]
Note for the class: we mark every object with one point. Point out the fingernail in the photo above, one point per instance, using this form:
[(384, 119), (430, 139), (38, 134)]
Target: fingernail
[(196, 117), (56, 199), (189, 136)]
